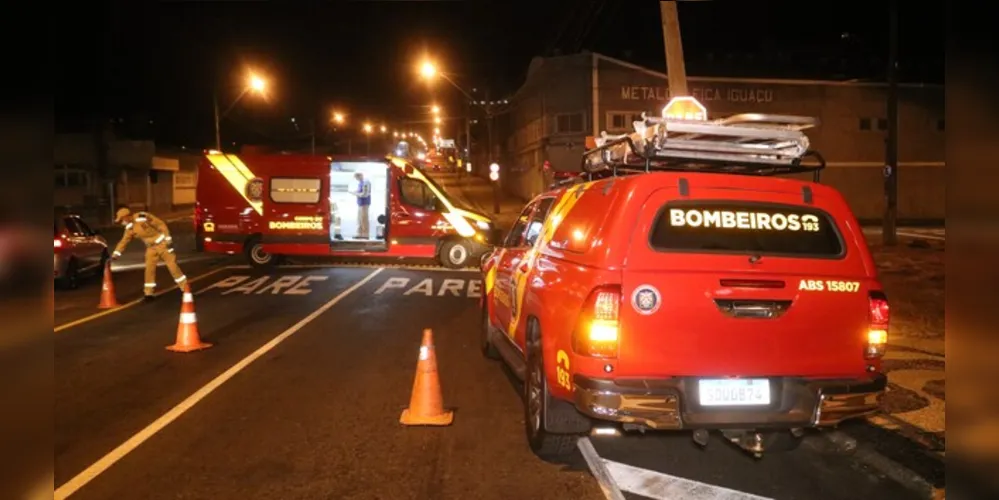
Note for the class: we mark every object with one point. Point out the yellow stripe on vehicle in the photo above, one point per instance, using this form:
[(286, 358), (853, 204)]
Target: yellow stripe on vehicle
[(453, 214), (556, 216), (238, 176)]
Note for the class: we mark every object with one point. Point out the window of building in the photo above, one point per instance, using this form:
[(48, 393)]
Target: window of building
[(865, 124), (622, 120), (617, 121), (295, 189), (68, 176), (882, 124), (569, 123)]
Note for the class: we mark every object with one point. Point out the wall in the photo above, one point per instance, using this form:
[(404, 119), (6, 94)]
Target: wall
[(851, 135)]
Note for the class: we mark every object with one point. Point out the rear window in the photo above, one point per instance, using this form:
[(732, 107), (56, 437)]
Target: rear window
[(753, 228)]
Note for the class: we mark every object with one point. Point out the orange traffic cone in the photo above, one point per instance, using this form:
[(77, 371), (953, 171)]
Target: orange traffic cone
[(108, 298), (425, 405), (187, 330)]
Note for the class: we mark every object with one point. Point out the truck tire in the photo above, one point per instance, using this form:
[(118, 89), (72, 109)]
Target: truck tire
[(550, 447), (256, 255), (455, 254)]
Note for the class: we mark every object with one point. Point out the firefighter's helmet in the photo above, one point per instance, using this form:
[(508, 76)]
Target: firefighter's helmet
[(121, 214)]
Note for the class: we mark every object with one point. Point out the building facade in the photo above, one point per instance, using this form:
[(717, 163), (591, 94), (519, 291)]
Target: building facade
[(567, 99), (137, 176)]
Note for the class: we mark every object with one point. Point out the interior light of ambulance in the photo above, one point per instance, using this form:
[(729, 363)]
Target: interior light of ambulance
[(877, 333), (596, 332)]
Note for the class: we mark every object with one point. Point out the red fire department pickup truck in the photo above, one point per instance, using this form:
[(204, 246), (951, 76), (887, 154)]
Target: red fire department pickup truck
[(665, 291), (270, 206)]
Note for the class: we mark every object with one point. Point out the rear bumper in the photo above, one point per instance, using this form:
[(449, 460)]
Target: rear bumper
[(671, 403)]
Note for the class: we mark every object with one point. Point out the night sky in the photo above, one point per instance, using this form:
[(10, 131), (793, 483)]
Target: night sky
[(152, 68)]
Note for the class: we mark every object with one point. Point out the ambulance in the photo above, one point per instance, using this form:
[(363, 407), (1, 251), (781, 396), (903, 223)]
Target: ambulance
[(271, 206)]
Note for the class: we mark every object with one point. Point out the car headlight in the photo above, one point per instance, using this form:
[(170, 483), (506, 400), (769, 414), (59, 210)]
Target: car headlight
[(483, 225)]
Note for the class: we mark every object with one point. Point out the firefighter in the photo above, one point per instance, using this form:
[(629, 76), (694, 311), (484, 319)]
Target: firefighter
[(156, 235)]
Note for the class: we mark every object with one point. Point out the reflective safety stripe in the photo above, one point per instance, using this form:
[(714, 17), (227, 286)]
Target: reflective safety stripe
[(169, 238), (150, 285), (170, 251), (180, 279), (116, 253), (140, 219), (159, 240), (128, 226), (188, 318), (188, 297)]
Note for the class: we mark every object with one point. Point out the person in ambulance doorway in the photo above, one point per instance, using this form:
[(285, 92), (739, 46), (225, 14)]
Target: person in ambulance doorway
[(363, 195), (156, 235)]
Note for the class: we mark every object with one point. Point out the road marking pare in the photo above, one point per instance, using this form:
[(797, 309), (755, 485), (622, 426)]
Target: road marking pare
[(428, 287), (283, 285)]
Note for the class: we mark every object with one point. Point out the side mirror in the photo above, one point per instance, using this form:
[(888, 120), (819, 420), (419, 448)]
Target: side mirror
[(381, 219)]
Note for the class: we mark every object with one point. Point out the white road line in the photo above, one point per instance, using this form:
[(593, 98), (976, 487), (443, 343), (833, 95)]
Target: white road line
[(81, 479), (653, 484), (599, 470), (921, 235)]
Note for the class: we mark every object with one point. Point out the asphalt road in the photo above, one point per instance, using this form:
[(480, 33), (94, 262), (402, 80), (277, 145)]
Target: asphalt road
[(315, 413), (301, 394)]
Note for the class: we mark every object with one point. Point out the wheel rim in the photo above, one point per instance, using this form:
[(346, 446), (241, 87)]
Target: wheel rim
[(534, 399), (457, 254), (259, 255)]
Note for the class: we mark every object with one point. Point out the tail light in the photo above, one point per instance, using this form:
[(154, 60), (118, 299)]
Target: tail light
[(877, 331), (58, 242), (596, 332)]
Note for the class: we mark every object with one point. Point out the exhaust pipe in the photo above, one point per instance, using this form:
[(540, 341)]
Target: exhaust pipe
[(749, 441), (701, 437)]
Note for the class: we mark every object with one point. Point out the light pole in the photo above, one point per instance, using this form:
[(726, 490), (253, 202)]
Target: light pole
[(367, 137), (254, 83)]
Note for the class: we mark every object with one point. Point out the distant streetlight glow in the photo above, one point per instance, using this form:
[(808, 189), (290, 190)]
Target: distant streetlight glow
[(367, 128), (437, 131), (437, 120), (428, 70), (338, 118), (383, 129), (435, 109), (257, 84)]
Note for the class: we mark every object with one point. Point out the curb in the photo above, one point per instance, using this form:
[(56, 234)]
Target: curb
[(895, 471)]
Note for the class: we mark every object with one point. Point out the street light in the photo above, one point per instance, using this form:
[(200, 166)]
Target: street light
[(428, 70), (367, 128), (437, 131), (437, 120), (494, 176), (383, 129), (338, 118), (435, 109), (254, 83)]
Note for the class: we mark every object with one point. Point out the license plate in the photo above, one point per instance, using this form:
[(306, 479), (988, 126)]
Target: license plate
[(734, 392)]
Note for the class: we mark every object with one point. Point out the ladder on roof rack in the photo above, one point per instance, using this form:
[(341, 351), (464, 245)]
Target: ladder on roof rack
[(749, 143)]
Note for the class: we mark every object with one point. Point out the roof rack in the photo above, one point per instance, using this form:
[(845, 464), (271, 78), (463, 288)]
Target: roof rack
[(749, 143)]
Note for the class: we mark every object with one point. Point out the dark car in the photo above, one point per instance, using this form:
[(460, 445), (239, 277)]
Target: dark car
[(79, 250)]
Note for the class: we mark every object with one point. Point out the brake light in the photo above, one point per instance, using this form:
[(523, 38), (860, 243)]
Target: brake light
[(58, 243), (596, 332), (879, 313)]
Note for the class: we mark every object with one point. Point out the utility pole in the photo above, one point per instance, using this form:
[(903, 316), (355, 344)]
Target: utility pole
[(313, 125), (218, 135), (468, 133), (888, 234), (676, 71)]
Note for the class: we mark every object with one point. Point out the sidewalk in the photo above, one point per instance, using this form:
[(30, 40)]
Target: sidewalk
[(913, 277), (477, 194)]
